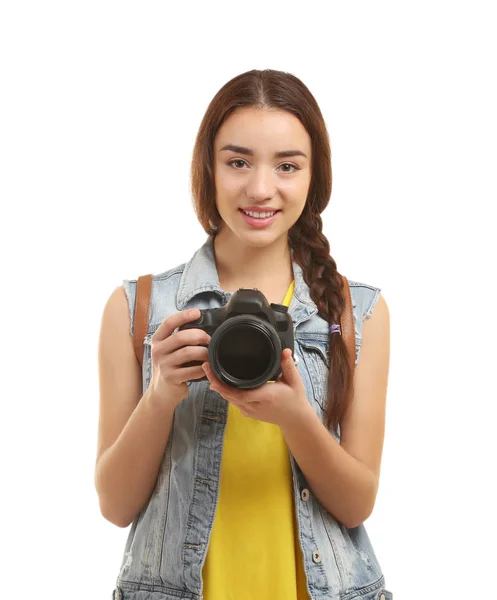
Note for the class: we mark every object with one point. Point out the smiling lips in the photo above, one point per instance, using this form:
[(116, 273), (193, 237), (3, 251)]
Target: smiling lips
[(259, 218)]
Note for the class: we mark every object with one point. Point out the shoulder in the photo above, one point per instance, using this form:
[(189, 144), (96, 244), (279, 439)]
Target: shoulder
[(157, 279), (164, 276), (367, 301), (364, 297)]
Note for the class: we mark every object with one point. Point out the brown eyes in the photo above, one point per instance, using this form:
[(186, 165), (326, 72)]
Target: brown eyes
[(240, 160)]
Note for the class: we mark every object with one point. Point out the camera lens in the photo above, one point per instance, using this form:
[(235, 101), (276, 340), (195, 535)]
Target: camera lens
[(245, 351)]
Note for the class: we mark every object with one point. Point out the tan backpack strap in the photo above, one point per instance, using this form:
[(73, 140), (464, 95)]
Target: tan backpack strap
[(142, 306), (347, 323)]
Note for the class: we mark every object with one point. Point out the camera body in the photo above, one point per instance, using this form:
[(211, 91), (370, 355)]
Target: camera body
[(248, 336)]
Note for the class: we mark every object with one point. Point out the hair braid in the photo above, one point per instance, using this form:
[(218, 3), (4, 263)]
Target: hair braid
[(312, 253)]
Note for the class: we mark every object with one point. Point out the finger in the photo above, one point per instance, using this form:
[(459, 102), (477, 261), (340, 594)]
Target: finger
[(181, 375), (288, 368), (188, 354), (216, 384), (228, 392), (175, 320), (209, 373), (187, 337)]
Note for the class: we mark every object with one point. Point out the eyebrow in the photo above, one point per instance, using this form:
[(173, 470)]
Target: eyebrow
[(247, 151)]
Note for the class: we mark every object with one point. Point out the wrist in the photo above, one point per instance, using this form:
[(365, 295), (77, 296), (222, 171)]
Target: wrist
[(160, 400), (298, 419)]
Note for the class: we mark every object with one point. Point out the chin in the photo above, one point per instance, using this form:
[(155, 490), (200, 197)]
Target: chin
[(259, 239)]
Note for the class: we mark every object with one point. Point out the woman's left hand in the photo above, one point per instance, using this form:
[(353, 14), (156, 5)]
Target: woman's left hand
[(280, 403)]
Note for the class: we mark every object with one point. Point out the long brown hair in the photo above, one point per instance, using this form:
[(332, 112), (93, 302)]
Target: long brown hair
[(269, 89)]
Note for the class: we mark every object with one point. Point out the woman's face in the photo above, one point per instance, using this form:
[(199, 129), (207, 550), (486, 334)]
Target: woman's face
[(250, 176)]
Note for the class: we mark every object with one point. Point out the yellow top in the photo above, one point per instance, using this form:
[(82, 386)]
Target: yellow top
[(254, 552)]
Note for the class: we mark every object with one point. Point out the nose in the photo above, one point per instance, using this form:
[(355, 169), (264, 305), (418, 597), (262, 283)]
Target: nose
[(261, 184)]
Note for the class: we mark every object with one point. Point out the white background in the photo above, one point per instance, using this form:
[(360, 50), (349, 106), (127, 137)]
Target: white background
[(100, 105)]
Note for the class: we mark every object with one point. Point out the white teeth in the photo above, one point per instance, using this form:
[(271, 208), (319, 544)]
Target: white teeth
[(257, 215)]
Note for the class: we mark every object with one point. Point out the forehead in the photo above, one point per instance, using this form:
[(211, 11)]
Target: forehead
[(261, 129)]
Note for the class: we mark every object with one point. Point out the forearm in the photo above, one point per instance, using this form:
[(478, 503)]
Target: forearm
[(127, 471), (343, 485)]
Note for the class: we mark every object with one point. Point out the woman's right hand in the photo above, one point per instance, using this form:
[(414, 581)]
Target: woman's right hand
[(169, 351)]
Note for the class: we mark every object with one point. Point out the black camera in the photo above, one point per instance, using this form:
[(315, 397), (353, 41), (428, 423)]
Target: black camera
[(248, 336)]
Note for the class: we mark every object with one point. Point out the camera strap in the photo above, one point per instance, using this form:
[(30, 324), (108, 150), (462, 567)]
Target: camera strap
[(142, 308)]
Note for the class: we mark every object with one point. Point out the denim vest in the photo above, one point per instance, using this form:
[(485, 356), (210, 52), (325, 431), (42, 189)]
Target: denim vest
[(168, 540)]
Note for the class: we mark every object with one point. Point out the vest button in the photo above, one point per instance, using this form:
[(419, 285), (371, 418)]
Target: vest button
[(316, 556), (382, 597), (305, 494)]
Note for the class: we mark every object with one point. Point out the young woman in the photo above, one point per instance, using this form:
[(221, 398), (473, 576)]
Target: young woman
[(258, 493)]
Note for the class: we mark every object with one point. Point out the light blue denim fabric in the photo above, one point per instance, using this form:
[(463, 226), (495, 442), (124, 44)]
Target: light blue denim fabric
[(167, 543)]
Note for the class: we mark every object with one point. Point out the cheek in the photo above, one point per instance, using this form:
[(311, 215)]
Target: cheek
[(294, 209), (295, 193), (226, 179), (222, 202), (227, 196)]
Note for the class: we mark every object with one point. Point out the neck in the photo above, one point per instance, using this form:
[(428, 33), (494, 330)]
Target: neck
[(252, 266)]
